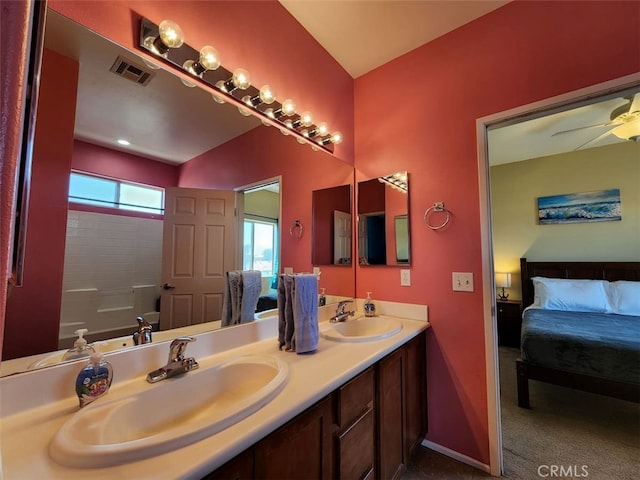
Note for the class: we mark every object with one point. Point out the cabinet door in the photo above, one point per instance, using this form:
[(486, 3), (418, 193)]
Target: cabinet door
[(390, 418), (299, 449), (415, 390)]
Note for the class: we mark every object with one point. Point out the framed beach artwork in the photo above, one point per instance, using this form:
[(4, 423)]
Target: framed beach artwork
[(600, 206)]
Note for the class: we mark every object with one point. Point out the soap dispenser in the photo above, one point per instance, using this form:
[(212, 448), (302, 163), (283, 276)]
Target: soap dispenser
[(322, 301), (369, 306), (80, 348), (94, 380)]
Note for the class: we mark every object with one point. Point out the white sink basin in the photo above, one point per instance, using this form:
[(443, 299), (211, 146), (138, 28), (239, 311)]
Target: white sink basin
[(362, 329), (169, 414)]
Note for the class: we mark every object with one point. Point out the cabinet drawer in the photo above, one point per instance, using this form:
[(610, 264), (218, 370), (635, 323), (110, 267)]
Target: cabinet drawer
[(354, 398), (356, 449)]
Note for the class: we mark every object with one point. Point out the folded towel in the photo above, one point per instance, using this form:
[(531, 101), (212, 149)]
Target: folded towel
[(251, 288), (232, 302), (285, 312), (305, 313)]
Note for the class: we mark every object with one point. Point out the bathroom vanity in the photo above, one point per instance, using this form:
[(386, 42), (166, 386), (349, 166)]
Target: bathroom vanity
[(351, 409)]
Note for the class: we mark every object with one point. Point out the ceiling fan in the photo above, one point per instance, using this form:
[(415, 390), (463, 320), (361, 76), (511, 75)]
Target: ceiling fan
[(624, 122)]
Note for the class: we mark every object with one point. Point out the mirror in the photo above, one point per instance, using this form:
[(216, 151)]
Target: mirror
[(383, 220), (331, 244), (241, 152)]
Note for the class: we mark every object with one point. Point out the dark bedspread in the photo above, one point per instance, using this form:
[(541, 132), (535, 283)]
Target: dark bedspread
[(603, 345)]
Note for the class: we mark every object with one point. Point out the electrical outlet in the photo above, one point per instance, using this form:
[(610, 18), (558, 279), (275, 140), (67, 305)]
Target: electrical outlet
[(316, 271), (462, 282), (405, 278), (288, 270)]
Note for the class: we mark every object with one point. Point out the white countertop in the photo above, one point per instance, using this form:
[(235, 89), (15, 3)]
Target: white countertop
[(26, 434)]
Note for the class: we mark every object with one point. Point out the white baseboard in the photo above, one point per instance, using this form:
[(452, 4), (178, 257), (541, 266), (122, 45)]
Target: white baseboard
[(456, 456)]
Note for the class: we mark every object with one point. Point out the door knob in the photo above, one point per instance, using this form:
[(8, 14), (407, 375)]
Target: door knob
[(167, 286)]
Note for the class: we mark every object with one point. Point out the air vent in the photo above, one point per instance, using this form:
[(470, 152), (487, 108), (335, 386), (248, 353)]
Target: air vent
[(131, 71)]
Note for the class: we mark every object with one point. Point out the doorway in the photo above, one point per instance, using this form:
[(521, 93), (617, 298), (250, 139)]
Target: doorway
[(564, 103)]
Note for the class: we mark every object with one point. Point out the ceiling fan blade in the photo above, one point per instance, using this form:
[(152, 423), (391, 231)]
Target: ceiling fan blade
[(608, 124), (635, 104), (599, 137)]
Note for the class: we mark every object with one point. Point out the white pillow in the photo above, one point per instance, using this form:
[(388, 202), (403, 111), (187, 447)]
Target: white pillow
[(625, 297), (571, 295)]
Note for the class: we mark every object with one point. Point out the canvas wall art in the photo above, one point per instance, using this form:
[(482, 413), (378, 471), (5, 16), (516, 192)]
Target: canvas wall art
[(600, 206)]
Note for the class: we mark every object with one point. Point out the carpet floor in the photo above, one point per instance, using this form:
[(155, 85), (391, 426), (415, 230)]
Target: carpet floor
[(591, 436)]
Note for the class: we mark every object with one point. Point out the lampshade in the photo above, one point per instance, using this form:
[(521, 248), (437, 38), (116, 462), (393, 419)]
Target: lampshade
[(503, 280)]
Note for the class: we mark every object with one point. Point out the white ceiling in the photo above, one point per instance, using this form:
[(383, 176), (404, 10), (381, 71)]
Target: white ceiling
[(169, 122), (364, 34)]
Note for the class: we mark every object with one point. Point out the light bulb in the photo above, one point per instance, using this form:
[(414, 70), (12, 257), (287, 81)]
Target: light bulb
[(288, 123), (288, 107), (220, 86), (171, 34), (284, 131), (300, 140), (336, 137), (267, 94), (305, 133), (247, 100), (187, 83), (240, 79), (209, 57), (322, 129), (208, 60), (306, 119), (245, 112), (269, 113)]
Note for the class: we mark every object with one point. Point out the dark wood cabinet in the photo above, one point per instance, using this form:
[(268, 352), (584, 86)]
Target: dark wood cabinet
[(365, 429), (300, 449), (509, 318), (401, 408)]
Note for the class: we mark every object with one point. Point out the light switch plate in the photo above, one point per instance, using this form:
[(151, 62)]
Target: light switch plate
[(462, 282), (405, 278), (288, 270), (316, 270)]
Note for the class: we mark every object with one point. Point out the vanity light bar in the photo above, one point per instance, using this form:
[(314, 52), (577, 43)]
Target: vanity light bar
[(235, 86)]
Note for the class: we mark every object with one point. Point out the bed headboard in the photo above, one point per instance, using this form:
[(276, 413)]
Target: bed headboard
[(611, 271)]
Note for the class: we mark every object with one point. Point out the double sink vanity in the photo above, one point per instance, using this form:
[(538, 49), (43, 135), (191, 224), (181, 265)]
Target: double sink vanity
[(354, 408)]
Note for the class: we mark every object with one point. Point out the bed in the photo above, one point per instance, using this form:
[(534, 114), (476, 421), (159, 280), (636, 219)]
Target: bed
[(598, 352)]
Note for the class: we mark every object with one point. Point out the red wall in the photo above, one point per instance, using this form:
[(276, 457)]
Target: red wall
[(33, 310), (518, 54), (124, 166)]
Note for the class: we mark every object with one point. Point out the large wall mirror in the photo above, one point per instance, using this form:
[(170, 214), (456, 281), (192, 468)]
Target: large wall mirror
[(180, 138), (383, 220)]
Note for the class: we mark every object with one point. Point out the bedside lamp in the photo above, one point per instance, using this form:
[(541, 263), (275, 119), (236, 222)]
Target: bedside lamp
[(503, 280)]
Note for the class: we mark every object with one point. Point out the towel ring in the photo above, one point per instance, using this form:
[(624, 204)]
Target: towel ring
[(296, 230), (437, 207)]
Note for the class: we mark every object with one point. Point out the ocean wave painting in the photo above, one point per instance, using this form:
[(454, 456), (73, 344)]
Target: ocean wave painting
[(601, 206)]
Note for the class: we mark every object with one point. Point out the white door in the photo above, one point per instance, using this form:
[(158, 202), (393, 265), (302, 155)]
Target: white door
[(199, 246), (341, 236)]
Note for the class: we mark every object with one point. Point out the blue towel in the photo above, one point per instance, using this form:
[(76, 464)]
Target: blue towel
[(285, 312), (305, 313), (251, 288), (232, 302)]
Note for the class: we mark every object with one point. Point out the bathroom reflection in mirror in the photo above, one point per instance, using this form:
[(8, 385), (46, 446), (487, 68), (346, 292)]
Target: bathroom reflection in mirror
[(179, 137), (331, 243), (383, 220)]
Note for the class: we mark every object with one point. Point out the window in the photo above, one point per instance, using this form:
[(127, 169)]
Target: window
[(260, 245), (106, 192)]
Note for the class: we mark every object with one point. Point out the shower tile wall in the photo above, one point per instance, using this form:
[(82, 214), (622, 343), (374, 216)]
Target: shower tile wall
[(106, 256)]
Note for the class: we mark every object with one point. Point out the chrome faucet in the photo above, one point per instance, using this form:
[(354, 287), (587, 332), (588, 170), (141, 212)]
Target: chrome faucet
[(143, 335), (341, 313), (177, 364)]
